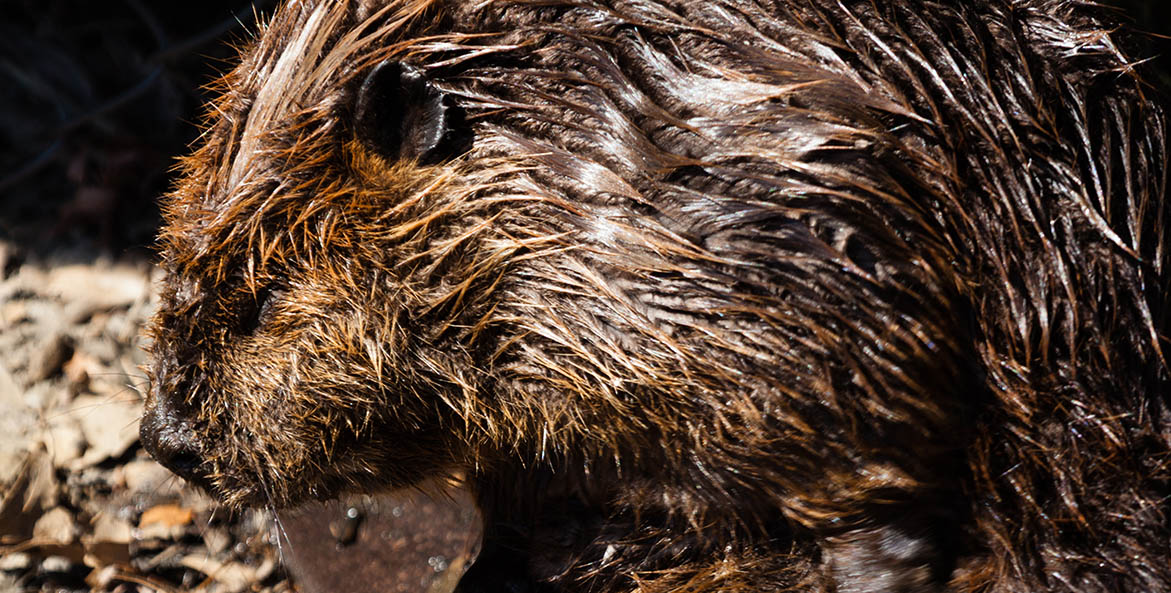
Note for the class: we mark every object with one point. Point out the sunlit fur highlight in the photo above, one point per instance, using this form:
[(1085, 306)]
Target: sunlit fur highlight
[(755, 295)]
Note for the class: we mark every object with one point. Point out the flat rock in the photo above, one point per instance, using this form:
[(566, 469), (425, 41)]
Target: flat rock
[(110, 426), (56, 526), (102, 287)]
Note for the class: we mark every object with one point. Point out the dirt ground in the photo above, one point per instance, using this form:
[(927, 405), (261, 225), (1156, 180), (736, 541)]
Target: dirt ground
[(105, 96), (85, 509)]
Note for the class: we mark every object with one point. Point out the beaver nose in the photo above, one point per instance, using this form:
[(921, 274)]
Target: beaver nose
[(171, 439)]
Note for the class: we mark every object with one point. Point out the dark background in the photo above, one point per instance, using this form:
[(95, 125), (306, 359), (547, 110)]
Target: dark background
[(97, 98)]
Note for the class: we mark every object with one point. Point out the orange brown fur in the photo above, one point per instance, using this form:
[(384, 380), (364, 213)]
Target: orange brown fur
[(725, 296)]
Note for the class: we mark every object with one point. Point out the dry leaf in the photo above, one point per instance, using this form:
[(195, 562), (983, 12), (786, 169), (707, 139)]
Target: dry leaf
[(15, 422), (63, 440), (109, 528), (110, 427), (115, 286), (166, 515), (109, 542), (79, 368), (101, 577), (35, 487), (48, 357), (146, 476), (56, 526), (234, 576), (15, 561), (216, 539)]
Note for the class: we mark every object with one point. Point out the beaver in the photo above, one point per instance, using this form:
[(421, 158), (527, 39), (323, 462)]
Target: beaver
[(696, 295)]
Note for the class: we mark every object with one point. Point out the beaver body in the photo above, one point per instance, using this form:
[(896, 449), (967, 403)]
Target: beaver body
[(728, 295)]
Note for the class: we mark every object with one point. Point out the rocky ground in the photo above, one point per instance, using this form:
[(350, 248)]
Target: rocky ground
[(84, 508)]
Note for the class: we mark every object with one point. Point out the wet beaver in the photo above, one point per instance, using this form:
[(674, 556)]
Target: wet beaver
[(721, 295)]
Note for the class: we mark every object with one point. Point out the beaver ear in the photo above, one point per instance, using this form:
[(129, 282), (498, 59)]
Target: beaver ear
[(403, 115)]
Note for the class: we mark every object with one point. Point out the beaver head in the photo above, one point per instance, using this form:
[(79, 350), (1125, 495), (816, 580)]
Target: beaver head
[(295, 350)]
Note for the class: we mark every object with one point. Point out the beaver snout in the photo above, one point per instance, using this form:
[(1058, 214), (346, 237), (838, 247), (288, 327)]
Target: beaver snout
[(171, 438)]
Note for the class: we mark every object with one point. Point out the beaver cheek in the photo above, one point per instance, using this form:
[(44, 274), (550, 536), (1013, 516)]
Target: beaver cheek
[(172, 440)]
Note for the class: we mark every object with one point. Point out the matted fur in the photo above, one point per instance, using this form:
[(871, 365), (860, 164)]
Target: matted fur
[(727, 296)]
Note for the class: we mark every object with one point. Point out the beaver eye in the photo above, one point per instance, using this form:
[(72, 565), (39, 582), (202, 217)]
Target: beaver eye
[(402, 114)]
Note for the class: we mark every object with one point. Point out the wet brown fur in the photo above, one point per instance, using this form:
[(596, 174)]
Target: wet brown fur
[(729, 295)]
